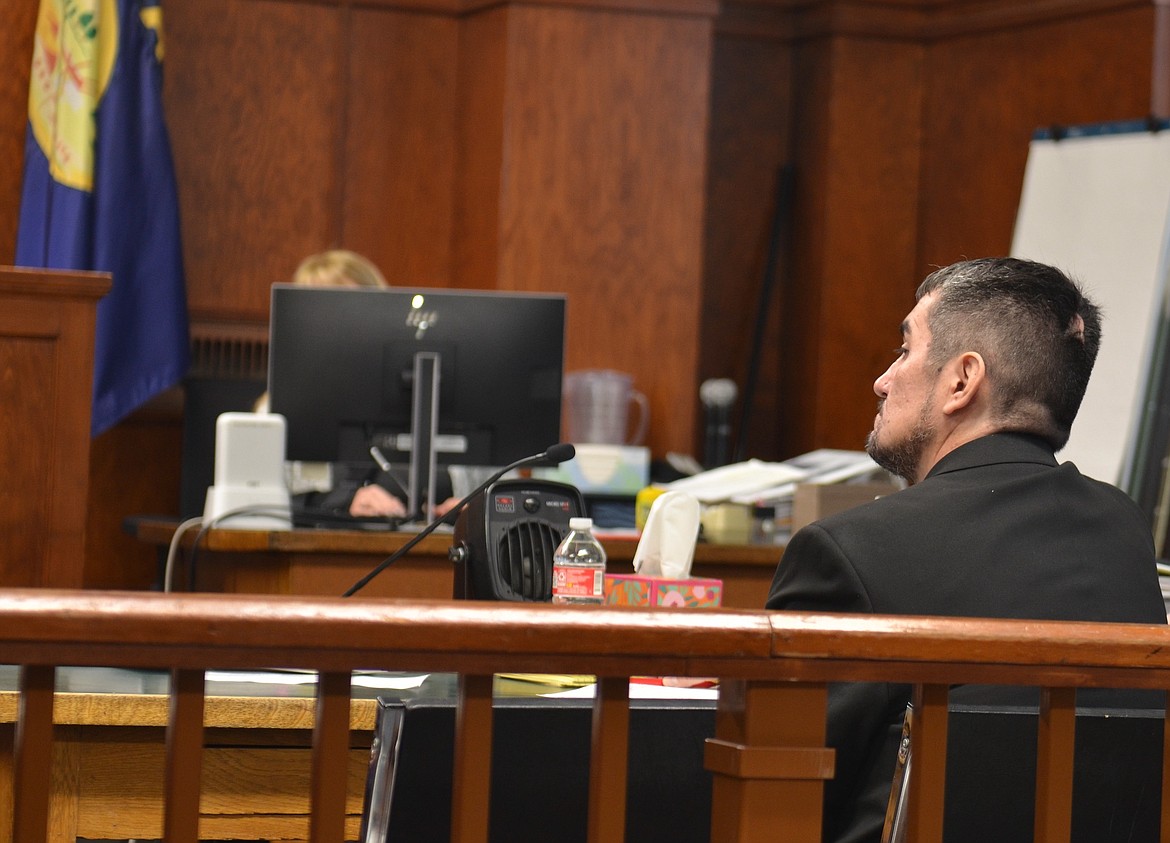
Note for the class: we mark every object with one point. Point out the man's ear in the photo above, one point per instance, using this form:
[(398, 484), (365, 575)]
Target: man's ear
[(964, 377)]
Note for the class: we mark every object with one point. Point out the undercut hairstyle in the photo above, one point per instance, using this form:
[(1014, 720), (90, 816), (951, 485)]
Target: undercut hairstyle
[(1036, 330)]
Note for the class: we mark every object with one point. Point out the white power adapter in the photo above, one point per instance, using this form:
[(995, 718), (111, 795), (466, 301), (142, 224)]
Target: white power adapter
[(249, 491)]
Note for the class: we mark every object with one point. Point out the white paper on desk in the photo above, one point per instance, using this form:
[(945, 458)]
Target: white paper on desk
[(667, 546), (743, 478), (266, 677), (643, 691), (823, 466), (392, 681)]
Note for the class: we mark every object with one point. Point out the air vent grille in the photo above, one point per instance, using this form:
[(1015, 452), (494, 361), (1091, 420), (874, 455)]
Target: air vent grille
[(232, 352), (526, 558)]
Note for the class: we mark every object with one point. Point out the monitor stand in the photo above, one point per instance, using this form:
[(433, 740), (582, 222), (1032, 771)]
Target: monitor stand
[(424, 426)]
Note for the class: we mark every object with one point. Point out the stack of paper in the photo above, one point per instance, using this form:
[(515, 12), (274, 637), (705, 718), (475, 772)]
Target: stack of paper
[(756, 481)]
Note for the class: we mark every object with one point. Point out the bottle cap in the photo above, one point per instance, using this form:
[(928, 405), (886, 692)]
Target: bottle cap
[(580, 523)]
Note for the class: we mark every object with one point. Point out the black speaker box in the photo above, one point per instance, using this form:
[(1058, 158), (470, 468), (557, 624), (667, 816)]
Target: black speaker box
[(505, 538)]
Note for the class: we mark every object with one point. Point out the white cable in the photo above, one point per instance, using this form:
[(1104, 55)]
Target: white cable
[(173, 550)]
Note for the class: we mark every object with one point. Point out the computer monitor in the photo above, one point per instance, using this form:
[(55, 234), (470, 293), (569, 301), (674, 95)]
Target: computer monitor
[(342, 364)]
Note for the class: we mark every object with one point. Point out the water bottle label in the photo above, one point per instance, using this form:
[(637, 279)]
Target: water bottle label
[(578, 582)]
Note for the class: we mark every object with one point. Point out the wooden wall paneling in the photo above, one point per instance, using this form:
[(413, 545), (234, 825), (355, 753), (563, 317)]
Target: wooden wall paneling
[(400, 140), (135, 469), (987, 93), (483, 55), (16, 40), (253, 97), (873, 237), (750, 140), (47, 322), (800, 285), (859, 113), (602, 188)]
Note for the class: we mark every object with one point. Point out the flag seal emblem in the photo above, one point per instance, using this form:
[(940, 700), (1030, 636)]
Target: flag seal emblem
[(73, 57)]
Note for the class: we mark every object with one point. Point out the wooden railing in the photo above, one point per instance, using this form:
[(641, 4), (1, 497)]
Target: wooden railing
[(767, 758)]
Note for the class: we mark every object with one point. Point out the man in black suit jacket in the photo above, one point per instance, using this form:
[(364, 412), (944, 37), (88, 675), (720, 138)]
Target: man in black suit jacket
[(994, 362)]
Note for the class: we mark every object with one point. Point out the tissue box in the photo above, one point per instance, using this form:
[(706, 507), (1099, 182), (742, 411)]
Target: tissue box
[(637, 590), (603, 470)]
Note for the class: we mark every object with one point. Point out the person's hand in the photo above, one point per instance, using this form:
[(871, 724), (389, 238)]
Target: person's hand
[(445, 507), (373, 500)]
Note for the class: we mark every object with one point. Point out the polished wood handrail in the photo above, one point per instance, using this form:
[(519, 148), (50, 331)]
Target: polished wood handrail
[(769, 744)]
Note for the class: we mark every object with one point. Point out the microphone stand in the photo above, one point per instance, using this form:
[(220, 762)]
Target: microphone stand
[(555, 455)]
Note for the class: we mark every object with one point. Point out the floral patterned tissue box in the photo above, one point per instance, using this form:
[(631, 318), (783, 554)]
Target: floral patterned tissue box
[(637, 590)]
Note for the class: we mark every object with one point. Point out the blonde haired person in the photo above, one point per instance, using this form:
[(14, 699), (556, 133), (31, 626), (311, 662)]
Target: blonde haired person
[(338, 268)]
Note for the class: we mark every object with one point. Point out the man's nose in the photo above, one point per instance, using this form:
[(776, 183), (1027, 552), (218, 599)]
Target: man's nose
[(880, 386)]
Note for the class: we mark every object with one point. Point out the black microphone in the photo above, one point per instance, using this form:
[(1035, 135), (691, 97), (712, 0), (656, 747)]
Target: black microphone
[(554, 455), (717, 395)]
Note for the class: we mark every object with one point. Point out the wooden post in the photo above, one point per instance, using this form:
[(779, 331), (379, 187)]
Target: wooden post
[(608, 762), (929, 765), (472, 777), (1055, 745), (33, 754), (184, 774), (768, 771), (330, 758)]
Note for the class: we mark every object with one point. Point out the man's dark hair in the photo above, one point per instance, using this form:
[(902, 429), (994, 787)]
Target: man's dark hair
[(1035, 329)]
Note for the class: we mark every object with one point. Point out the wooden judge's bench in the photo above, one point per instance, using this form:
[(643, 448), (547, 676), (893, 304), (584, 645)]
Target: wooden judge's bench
[(327, 562)]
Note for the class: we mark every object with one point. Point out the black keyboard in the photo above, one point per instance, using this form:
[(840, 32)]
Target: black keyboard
[(321, 520)]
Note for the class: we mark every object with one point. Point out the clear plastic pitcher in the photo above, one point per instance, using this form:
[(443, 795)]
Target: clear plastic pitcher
[(597, 408)]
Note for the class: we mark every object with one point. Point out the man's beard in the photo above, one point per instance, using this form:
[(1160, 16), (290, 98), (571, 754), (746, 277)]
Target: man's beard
[(903, 458)]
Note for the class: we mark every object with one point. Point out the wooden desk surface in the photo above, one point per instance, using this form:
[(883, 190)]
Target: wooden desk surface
[(108, 762), (98, 709), (322, 562)]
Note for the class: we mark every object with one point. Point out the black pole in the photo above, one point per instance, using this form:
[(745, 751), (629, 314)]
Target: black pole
[(784, 186)]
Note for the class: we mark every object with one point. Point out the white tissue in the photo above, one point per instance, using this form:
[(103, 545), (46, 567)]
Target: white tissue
[(667, 546)]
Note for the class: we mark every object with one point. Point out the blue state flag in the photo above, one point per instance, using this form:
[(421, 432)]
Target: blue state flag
[(99, 190)]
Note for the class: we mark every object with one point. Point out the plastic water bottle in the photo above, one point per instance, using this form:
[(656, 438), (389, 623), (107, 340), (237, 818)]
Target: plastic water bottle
[(579, 566)]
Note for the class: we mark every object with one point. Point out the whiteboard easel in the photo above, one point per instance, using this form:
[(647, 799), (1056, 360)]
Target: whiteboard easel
[(1096, 204)]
